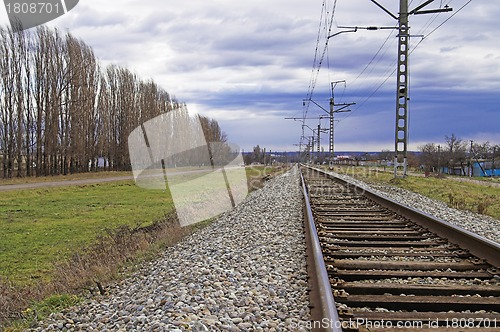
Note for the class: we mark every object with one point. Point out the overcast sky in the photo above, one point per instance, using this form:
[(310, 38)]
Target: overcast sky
[(248, 64)]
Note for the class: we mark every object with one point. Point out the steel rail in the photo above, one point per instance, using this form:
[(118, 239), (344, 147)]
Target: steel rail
[(479, 246), (324, 315)]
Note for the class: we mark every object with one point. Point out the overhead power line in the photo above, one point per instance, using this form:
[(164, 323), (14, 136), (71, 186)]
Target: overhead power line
[(328, 18), (325, 26)]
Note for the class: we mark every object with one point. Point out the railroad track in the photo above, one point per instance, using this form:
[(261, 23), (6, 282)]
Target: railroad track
[(391, 271)]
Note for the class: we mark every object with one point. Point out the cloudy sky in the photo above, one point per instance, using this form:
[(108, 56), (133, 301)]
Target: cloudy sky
[(249, 64)]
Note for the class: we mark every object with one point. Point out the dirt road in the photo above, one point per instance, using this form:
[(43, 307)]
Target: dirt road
[(48, 184)]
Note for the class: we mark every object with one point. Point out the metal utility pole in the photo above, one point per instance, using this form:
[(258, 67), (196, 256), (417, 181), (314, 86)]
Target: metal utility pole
[(310, 147), (401, 139), (401, 143), (471, 161), (332, 112), (306, 149), (493, 162), (319, 138), (317, 131)]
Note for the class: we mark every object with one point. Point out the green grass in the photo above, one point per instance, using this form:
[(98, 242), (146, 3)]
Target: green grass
[(70, 235), (480, 198), (41, 226), (256, 173), (53, 303), (58, 239), (461, 195), (42, 309), (58, 178)]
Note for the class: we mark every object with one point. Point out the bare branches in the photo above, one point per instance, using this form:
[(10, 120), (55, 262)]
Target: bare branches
[(61, 113)]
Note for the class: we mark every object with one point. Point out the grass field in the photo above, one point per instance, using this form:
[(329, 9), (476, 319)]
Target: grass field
[(78, 176), (63, 239), (480, 198), (40, 226)]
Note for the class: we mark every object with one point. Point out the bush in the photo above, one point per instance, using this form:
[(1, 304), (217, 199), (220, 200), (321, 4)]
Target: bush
[(89, 269), (484, 204)]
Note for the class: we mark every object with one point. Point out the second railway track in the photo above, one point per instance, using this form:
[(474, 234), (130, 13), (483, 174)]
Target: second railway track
[(390, 271)]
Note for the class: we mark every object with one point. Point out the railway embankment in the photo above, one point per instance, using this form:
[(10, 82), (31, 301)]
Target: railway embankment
[(246, 271)]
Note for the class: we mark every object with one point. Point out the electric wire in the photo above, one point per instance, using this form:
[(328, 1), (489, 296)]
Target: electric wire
[(315, 68), (324, 30), (443, 23), (374, 57), (317, 64), (392, 65), (373, 63)]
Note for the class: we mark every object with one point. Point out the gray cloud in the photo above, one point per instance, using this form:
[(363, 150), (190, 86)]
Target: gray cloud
[(249, 64)]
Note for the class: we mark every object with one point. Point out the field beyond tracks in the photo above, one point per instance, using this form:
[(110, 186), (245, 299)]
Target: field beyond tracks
[(482, 197)]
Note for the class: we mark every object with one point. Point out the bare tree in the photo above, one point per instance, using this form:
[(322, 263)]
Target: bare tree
[(7, 107), (429, 157), (60, 112), (482, 150), (212, 130), (456, 150)]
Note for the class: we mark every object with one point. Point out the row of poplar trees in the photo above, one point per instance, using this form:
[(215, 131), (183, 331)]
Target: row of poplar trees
[(61, 111)]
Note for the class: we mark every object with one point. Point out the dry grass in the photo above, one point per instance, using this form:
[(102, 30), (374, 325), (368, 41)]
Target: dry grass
[(93, 267), (69, 177), (257, 175), (481, 197)]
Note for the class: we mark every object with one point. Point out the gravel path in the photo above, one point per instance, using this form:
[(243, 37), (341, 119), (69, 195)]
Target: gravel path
[(480, 224), (245, 272), (479, 182), (51, 184)]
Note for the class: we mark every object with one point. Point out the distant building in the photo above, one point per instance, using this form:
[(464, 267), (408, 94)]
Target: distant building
[(479, 169)]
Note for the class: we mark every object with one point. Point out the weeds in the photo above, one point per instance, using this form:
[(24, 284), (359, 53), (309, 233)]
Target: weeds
[(456, 202), (484, 204), (474, 197), (89, 269), (92, 268), (257, 175), (42, 309), (479, 204)]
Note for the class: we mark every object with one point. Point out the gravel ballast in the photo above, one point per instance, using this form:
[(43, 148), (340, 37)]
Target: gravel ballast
[(244, 272)]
